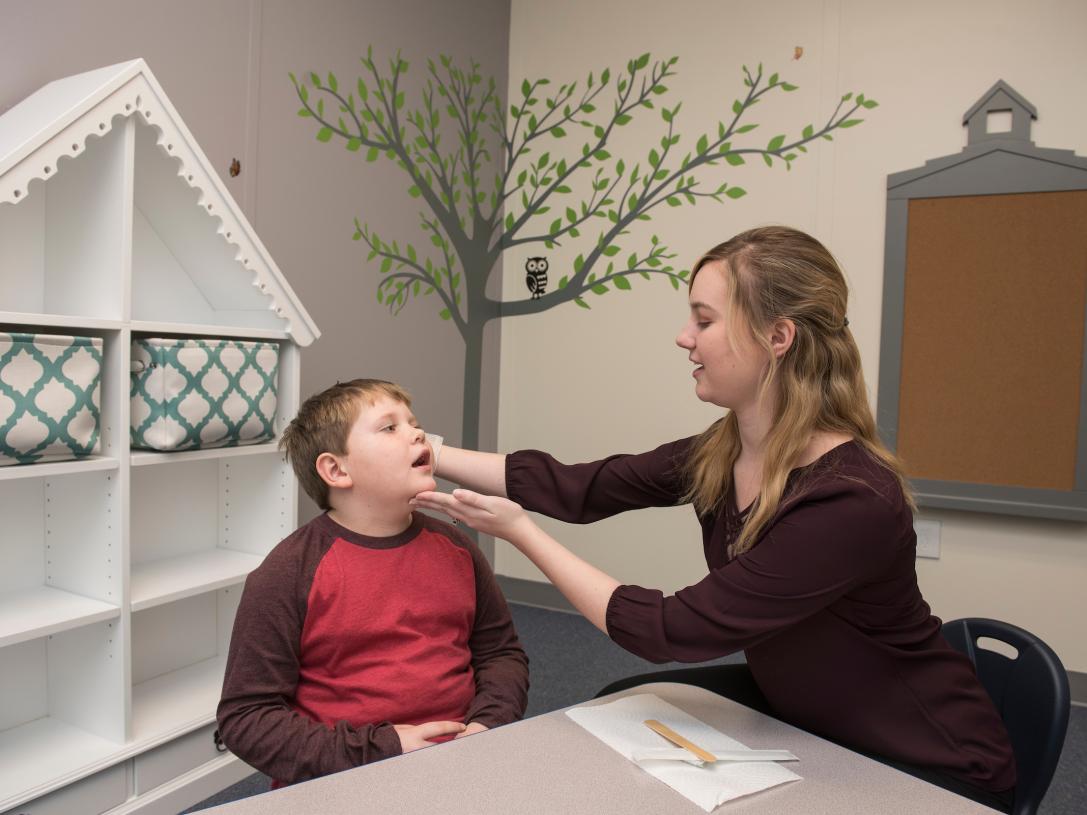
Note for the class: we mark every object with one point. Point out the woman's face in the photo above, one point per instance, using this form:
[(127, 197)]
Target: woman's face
[(729, 364)]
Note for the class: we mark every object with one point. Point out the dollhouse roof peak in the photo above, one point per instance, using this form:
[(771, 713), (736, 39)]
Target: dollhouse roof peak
[(57, 122)]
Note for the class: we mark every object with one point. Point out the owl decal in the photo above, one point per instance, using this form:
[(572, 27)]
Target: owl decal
[(536, 276)]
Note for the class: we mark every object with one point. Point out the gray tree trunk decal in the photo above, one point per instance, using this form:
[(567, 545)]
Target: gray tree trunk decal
[(536, 192)]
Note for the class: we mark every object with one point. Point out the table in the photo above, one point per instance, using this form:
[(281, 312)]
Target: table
[(551, 766)]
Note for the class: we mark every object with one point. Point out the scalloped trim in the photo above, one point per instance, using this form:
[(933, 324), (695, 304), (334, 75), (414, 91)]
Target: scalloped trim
[(138, 97)]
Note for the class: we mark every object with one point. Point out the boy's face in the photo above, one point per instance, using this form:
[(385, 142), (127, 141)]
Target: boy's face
[(388, 457)]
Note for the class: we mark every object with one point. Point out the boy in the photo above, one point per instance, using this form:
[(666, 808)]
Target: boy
[(371, 630)]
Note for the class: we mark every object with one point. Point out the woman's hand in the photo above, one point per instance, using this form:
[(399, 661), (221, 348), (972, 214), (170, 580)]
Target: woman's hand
[(588, 588), (417, 736), (489, 514)]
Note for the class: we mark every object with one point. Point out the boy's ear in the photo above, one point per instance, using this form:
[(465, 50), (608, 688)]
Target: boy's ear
[(332, 471)]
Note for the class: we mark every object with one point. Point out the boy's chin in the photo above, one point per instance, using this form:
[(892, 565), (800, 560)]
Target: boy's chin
[(427, 484)]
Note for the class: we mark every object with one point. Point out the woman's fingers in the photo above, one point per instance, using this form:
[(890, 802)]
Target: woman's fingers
[(434, 500), (490, 514), (459, 504), (472, 499)]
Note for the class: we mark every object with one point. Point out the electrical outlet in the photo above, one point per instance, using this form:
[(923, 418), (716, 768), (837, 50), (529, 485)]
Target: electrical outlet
[(928, 538)]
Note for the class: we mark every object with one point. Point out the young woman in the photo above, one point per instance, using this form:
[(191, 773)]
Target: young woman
[(806, 522)]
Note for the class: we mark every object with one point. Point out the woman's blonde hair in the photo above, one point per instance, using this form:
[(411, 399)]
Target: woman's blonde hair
[(776, 273)]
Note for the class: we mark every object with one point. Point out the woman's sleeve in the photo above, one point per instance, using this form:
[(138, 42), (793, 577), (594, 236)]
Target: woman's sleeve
[(812, 555), (583, 493)]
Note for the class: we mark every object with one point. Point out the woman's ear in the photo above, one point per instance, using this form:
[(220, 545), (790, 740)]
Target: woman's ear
[(782, 335), (332, 471)]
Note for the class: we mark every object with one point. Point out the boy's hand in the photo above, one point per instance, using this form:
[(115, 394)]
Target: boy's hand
[(416, 736), (489, 514), (473, 727)]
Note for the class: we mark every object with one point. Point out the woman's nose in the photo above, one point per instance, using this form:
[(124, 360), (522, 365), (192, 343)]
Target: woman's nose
[(685, 339)]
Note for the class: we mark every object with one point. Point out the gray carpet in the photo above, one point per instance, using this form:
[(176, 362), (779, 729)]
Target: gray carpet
[(570, 661)]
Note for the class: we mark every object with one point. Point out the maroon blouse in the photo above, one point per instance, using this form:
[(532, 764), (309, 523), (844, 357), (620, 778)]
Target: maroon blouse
[(825, 606)]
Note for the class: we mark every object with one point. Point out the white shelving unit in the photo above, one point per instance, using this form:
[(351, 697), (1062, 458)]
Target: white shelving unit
[(121, 573)]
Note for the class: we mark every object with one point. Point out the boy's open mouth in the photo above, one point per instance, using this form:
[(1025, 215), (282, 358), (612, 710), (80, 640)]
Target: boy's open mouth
[(423, 460)]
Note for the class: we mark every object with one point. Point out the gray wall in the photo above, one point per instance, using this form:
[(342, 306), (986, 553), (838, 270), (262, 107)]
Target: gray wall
[(224, 65)]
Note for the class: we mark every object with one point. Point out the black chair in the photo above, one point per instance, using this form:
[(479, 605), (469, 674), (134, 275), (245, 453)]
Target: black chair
[(1031, 694)]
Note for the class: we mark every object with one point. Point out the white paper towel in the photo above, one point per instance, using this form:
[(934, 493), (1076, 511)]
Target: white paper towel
[(621, 726)]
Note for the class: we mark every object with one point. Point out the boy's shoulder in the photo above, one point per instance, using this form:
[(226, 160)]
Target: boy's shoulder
[(307, 543)]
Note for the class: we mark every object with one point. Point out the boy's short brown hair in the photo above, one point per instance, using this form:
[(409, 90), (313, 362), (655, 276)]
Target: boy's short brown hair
[(323, 424)]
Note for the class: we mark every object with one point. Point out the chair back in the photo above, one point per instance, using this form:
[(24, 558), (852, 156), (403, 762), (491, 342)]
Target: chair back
[(1030, 693)]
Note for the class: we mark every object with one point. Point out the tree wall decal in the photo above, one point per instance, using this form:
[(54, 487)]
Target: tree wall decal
[(503, 179)]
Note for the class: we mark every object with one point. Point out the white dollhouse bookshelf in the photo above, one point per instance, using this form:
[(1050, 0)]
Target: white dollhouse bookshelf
[(121, 572)]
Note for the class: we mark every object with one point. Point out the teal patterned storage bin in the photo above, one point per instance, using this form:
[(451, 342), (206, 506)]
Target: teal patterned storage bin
[(198, 393), (49, 397)]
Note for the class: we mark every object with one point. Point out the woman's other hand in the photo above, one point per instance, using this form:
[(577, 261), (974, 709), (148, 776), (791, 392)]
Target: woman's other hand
[(489, 514), (584, 585)]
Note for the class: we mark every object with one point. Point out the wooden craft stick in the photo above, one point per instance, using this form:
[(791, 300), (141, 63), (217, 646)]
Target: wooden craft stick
[(678, 740)]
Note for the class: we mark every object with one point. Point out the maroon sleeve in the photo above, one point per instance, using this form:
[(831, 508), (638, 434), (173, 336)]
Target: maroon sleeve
[(256, 720), (498, 660), (815, 551), (583, 493)]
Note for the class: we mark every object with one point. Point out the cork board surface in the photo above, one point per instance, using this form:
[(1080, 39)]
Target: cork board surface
[(992, 341)]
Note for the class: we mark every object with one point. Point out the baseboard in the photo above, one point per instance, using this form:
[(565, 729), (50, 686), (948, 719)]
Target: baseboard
[(544, 595), (1077, 684), (533, 593)]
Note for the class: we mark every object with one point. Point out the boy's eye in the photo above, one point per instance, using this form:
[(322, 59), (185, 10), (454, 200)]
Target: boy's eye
[(389, 427)]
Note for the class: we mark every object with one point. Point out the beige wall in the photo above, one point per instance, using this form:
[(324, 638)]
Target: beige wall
[(224, 65), (584, 384)]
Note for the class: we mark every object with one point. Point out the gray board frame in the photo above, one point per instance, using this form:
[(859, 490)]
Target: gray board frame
[(987, 166)]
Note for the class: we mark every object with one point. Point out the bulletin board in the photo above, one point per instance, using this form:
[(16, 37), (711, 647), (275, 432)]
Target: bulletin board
[(983, 359), (992, 346)]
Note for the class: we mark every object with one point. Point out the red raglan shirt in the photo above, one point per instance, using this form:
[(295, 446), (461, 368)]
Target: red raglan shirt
[(339, 636)]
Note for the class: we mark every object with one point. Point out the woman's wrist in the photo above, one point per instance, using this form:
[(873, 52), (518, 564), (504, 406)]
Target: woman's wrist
[(524, 534)]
